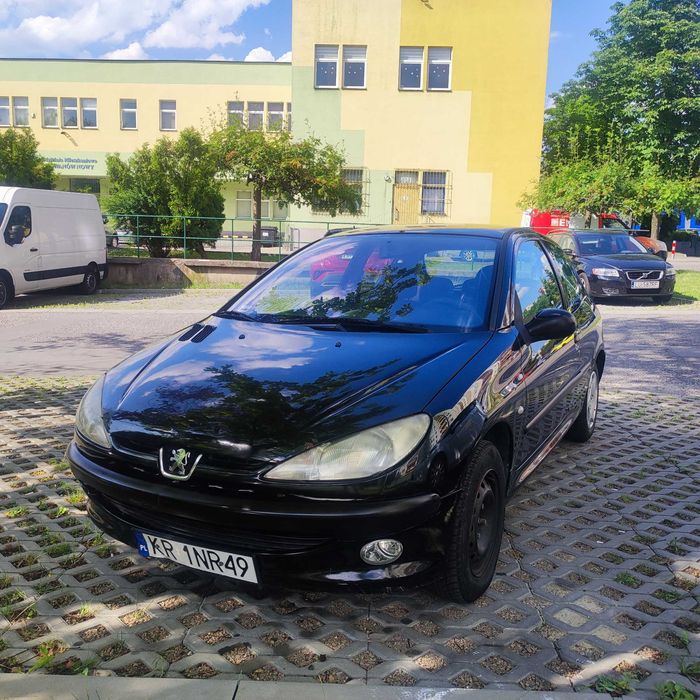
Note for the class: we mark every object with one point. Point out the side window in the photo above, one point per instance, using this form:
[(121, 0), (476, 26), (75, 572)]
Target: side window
[(19, 225), (567, 274), (534, 280)]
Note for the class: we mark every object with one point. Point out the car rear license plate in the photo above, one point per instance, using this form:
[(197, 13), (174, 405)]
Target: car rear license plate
[(645, 284), (213, 561)]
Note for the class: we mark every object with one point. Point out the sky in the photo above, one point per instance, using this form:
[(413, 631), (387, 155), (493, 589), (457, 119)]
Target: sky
[(220, 30)]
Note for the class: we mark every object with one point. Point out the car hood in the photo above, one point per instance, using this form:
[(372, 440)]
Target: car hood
[(255, 389), (626, 261)]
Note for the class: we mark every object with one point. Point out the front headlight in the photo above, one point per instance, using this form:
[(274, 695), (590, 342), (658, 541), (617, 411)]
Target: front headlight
[(670, 272), (357, 457), (88, 419), (606, 272)]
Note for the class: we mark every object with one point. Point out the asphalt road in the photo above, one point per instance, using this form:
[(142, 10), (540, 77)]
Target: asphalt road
[(650, 348)]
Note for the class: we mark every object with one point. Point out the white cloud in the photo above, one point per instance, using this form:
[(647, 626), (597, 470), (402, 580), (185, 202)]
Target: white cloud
[(201, 24), (285, 57), (549, 103), (267, 32), (259, 54), (217, 57), (134, 52), (556, 35)]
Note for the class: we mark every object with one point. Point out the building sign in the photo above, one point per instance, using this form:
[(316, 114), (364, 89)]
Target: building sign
[(71, 164), (79, 163)]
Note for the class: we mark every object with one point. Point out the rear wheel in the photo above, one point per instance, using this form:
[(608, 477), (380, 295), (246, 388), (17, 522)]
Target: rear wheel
[(584, 425), (7, 291), (474, 538), (91, 281)]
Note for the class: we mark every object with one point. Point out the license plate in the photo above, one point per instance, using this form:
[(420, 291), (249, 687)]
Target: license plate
[(645, 284), (213, 561)]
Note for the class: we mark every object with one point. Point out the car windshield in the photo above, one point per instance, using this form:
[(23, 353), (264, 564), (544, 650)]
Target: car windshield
[(427, 282), (607, 244)]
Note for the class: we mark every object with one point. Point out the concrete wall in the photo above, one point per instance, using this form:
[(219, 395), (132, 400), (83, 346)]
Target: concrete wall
[(152, 273)]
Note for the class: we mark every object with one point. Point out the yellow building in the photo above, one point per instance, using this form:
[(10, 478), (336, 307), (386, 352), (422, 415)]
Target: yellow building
[(438, 105)]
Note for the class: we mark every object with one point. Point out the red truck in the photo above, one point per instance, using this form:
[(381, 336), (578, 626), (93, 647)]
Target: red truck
[(545, 222)]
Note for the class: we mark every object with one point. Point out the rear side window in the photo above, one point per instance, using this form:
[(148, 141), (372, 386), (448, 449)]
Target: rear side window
[(534, 280), (567, 274), (20, 216)]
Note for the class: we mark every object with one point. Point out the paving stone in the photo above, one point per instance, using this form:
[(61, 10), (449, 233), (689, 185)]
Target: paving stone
[(600, 565)]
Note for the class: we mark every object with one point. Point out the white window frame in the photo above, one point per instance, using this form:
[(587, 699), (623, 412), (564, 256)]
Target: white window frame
[(439, 62), (288, 121), (247, 196), (16, 108), (128, 110), (65, 109), (354, 53), (404, 60), (46, 107), (279, 126), (5, 107), (321, 49), (168, 110), (84, 108), (233, 108), (260, 112)]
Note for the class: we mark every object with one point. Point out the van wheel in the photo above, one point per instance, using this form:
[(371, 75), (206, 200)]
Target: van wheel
[(474, 538), (7, 291), (91, 281)]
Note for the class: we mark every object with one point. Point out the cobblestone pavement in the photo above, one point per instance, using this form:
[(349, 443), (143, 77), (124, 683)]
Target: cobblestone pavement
[(599, 574)]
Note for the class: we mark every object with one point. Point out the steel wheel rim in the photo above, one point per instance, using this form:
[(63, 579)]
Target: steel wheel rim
[(592, 400), (90, 281), (483, 524)]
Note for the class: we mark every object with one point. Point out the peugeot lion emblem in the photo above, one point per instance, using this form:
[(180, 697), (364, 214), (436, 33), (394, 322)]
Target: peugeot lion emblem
[(179, 464)]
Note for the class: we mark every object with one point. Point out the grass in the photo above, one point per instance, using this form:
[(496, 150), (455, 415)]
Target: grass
[(194, 283), (690, 669), (673, 691), (133, 252), (617, 687), (687, 286)]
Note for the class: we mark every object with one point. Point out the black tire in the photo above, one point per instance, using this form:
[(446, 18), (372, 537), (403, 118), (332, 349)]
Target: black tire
[(91, 281), (7, 291), (584, 425), (585, 283), (476, 530), (664, 298)]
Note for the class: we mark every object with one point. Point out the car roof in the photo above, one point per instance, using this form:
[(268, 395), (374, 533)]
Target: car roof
[(456, 229), (604, 231)]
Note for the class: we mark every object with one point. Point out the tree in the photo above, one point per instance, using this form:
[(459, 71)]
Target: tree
[(636, 100), (300, 172), (174, 183), (20, 164)]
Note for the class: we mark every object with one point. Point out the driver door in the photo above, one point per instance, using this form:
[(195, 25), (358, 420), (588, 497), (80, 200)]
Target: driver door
[(22, 250)]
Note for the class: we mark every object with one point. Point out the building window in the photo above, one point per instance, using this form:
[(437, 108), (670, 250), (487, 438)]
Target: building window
[(88, 185), (326, 66), (4, 111), (244, 205), (127, 114), (411, 68), (275, 116), (354, 65), (256, 113), (439, 68), (49, 112), (433, 192), (69, 112), (235, 113), (88, 112), (358, 180), (168, 115), (20, 111), (289, 116)]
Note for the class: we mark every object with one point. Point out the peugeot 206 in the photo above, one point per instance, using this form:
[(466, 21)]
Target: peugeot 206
[(363, 432)]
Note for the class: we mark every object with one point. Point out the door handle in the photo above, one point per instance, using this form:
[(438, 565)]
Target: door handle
[(33, 250)]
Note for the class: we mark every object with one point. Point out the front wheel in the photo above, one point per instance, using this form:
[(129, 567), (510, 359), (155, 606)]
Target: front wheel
[(474, 537), (584, 425), (91, 281), (585, 283), (5, 291)]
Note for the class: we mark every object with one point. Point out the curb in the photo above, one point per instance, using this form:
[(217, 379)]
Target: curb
[(44, 687)]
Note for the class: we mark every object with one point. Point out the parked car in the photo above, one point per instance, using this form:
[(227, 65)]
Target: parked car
[(50, 239), (613, 264), (546, 222), (362, 437)]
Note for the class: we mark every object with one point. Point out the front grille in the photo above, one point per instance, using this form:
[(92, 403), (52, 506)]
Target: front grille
[(644, 274), (227, 538)]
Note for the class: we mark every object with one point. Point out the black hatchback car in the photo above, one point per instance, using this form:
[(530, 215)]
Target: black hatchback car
[(365, 434), (614, 264)]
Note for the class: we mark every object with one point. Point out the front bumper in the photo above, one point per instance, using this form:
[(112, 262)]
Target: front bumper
[(622, 287), (309, 543)]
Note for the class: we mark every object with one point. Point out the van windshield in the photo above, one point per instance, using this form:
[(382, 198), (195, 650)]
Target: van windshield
[(3, 209)]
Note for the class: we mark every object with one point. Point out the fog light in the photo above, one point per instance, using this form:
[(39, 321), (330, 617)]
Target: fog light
[(381, 551)]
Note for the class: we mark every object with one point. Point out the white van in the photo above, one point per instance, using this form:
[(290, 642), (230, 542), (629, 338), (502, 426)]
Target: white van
[(49, 239)]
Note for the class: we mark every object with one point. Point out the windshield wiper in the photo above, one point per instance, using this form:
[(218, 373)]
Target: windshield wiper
[(236, 316), (343, 323)]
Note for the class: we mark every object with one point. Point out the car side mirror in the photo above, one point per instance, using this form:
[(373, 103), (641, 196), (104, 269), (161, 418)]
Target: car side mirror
[(15, 234), (551, 324)]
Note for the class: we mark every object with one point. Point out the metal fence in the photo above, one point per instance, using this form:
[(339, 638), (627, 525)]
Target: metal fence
[(214, 237)]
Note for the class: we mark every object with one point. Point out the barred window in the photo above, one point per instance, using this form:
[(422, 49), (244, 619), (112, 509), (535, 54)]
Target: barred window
[(433, 192)]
